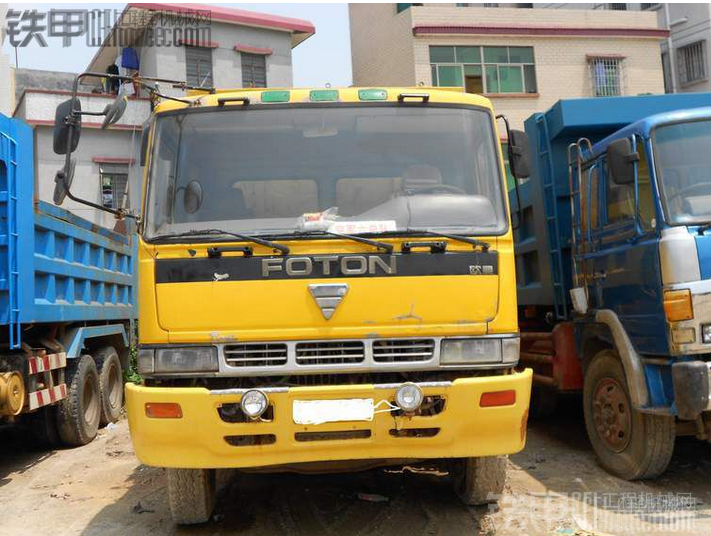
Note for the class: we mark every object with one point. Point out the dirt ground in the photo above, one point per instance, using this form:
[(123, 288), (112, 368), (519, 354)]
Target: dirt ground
[(554, 487)]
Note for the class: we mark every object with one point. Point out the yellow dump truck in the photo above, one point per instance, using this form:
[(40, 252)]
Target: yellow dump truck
[(326, 281)]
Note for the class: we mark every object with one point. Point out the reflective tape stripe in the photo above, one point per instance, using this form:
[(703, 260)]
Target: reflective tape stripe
[(47, 362), (37, 399)]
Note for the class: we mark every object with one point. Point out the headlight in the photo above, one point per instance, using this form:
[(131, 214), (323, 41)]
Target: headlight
[(464, 351), (706, 333), (187, 359)]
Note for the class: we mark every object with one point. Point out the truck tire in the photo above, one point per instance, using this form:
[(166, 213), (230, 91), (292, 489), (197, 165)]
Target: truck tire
[(43, 426), (110, 384), (479, 480), (191, 493), (544, 402), (78, 415), (629, 444)]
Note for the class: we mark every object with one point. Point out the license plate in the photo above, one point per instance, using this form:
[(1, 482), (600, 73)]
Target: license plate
[(323, 411)]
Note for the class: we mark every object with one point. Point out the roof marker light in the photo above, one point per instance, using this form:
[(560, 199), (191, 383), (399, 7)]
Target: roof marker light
[(323, 95), (372, 94), (275, 96)]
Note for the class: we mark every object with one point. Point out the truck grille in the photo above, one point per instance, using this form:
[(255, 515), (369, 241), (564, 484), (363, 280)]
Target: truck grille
[(403, 350), (330, 352), (256, 355)]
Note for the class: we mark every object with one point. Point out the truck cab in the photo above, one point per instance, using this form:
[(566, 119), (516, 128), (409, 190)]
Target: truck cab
[(326, 280), (627, 309)]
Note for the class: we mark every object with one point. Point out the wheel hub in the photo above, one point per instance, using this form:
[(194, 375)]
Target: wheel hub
[(611, 412)]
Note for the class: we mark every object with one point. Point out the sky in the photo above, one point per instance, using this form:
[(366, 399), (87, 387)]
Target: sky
[(324, 58)]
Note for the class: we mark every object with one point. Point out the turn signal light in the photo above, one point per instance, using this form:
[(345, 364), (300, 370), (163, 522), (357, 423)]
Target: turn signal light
[(498, 398), (677, 305), (163, 410)]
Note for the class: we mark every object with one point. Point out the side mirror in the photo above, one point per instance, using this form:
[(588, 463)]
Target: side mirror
[(114, 111), (192, 197), (67, 112), (519, 154), (62, 182), (620, 161)]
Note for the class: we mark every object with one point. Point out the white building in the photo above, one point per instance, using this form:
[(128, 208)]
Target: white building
[(241, 49)]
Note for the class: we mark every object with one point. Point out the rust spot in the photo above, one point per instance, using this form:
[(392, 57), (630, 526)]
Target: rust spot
[(191, 252), (524, 426)]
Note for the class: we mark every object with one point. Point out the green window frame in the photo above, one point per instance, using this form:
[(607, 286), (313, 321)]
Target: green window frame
[(484, 69)]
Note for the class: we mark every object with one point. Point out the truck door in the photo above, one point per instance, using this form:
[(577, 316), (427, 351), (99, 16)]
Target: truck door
[(625, 263)]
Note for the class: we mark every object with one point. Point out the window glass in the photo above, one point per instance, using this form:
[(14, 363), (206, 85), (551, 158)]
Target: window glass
[(492, 79), (485, 69), (619, 199), (511, 79), (435, 79), (469, 54), (254, 70), (114, 181), (496, 55), (530, 76), (450, 75), (521, 54), (442, 54), (198, 66)]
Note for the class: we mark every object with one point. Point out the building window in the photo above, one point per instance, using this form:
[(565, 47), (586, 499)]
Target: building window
[(484, 69), (198, 66), (114, 180), (666, 72), (254, 70), (691, 60), (617, 7), (605, 76), (648, 7)]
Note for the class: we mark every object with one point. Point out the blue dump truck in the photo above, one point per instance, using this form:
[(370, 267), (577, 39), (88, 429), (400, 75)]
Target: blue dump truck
[(67, 300), (614, 271)]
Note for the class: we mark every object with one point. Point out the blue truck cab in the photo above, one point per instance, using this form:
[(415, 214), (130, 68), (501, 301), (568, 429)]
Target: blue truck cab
[(67, 303), (614, 271)]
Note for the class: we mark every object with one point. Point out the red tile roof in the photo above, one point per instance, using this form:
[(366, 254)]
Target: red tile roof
[(235, 16)]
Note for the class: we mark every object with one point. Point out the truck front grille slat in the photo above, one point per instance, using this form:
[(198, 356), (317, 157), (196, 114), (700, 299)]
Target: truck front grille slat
[(399, 350), (256, 354), (330, 352)]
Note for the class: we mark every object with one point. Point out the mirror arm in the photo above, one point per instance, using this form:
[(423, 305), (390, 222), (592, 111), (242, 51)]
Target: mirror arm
[(518, 193)]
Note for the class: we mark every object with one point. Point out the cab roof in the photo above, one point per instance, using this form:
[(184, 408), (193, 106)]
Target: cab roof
[(236, 97), (645, 126)]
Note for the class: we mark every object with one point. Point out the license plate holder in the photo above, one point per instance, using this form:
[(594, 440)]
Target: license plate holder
[(324, 411)]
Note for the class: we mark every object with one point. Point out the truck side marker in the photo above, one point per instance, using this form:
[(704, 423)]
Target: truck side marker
[(44, 363), (37, 399)]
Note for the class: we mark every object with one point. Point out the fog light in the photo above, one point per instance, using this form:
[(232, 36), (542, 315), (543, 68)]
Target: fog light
[(408, 397), (254, 403), (706, 333)]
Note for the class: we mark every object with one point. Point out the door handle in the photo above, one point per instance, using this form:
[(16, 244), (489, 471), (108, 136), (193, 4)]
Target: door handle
[(599, 275)]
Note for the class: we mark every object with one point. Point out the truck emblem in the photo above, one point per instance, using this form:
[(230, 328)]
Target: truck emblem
[(328, 297)]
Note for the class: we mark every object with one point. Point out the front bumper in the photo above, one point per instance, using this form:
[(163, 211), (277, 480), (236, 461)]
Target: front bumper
[(692, 388), (198, 439)]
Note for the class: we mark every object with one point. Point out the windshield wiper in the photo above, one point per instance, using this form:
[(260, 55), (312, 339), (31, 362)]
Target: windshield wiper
[(284, 250), (384, 246), (459, 238)]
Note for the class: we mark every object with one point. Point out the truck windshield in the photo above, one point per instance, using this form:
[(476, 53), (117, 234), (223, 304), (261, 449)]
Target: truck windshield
[(683, 163), (347, 169)]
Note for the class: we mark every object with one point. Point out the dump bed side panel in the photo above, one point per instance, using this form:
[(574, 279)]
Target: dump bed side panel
[(543, 261), (54, 266)]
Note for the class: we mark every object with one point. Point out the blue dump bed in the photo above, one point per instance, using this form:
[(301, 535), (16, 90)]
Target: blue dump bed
[(54, 266), (543, 263)]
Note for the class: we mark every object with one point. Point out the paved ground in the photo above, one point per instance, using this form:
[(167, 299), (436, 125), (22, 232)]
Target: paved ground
[(552, 488)]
